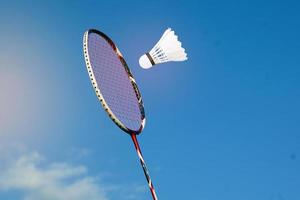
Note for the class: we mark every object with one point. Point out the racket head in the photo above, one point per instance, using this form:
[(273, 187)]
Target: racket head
[(113, 82)]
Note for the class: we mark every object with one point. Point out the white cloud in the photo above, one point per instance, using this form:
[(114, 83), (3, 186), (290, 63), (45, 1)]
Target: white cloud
[(56, 181)]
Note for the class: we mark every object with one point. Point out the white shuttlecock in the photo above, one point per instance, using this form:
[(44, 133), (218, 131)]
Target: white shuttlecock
[(168, 48)]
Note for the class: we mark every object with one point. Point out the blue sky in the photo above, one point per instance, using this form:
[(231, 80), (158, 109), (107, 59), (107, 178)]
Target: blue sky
[(223, 125)]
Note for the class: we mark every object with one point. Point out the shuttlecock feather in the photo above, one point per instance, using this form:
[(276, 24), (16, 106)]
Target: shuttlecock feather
[(168, 48)]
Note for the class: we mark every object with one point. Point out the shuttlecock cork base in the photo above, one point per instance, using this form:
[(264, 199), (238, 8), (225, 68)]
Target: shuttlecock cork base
[(146, 61), (167, 49)]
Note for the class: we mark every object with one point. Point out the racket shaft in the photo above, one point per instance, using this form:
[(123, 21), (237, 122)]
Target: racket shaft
[(138, 150)]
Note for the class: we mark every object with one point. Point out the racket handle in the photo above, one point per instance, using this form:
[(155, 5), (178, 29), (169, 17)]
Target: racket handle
[(139, 152)]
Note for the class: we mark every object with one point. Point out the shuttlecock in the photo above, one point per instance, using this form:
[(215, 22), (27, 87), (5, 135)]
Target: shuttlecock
[(168, 48)]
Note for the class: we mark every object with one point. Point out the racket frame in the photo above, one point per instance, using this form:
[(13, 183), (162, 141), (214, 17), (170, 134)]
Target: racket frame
[(97, 88)]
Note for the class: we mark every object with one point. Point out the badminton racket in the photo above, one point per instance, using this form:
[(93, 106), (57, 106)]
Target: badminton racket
[(115, 88)]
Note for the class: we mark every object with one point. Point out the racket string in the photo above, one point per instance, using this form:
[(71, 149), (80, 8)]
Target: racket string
[(114, 83)]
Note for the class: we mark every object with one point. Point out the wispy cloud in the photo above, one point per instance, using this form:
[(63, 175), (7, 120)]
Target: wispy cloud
[(39, 180)]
